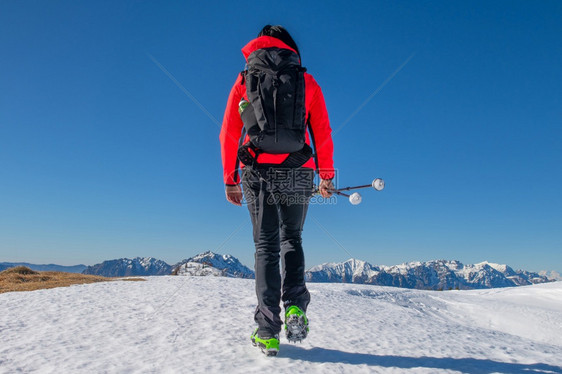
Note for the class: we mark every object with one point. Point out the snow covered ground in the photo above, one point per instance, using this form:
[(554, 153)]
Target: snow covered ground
[(202, 325)]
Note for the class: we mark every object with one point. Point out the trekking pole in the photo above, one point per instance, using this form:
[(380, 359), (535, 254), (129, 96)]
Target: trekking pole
[(355, 198), (377, 184)]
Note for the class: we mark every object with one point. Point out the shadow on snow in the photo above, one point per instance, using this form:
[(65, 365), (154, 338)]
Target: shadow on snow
[(466, 365)]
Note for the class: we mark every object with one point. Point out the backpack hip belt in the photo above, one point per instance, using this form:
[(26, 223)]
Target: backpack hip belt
[(248, 154)]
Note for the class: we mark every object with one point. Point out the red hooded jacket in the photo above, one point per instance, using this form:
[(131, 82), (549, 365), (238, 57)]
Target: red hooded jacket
[(316, 114)]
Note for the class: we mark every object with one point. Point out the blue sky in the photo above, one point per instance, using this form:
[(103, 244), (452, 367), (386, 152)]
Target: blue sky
[(103, 156)]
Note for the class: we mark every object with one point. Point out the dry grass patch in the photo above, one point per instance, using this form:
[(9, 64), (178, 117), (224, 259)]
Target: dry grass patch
[(22, 278)]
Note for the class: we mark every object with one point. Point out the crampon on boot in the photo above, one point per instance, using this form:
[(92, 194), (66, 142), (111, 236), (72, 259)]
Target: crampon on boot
[(296, 324), (269, 345)]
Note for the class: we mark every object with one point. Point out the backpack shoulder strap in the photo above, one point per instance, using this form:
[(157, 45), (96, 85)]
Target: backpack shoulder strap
[(313, 141)]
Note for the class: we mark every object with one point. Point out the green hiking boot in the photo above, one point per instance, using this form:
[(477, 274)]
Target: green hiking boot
[(268, 345), (296, 324)]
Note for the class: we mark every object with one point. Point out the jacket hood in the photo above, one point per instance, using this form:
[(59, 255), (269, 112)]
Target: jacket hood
[(263, 42)]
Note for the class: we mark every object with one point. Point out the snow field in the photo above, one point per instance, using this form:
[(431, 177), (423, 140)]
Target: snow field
[(202, 325)]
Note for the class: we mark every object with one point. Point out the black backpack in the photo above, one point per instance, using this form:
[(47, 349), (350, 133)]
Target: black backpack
[(274, 118)]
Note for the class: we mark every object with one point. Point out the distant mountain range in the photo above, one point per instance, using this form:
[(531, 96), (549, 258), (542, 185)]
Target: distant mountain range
[(125, 267), (207, 263), (434, 275), (49, 267)]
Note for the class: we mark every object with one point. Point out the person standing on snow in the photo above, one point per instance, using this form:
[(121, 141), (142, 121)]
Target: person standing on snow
[(275, 101)]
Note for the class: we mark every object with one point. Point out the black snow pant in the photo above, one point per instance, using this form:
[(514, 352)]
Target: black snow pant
[(277, 200)]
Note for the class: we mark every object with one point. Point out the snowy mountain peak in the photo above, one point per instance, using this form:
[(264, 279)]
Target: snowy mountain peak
[(211, 256), (498, 267), (204, 263), (350, 271), (552, 275)]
